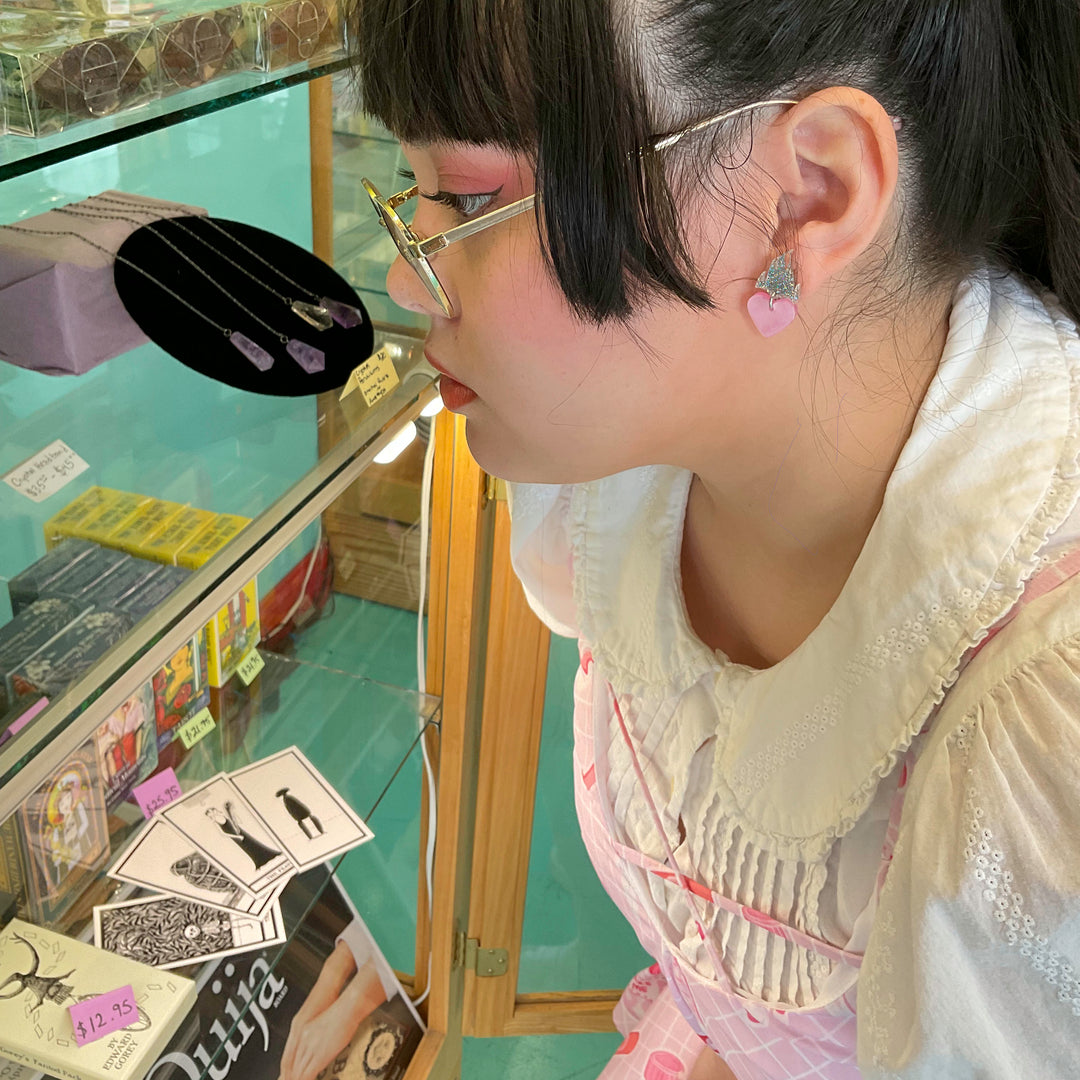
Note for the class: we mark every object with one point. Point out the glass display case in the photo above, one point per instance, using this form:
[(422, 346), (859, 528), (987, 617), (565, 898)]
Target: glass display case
[(309, 603)]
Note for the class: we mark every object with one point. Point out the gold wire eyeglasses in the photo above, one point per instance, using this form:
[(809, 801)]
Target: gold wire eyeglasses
[(417, 250)]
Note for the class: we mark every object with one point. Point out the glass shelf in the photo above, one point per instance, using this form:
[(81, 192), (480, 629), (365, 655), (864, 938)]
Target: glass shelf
[(20, 155)]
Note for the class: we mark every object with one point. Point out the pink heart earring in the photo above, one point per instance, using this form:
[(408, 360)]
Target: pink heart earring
[(772, 307)]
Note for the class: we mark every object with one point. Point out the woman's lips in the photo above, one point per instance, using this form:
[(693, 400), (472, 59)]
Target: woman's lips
[(455, 395)]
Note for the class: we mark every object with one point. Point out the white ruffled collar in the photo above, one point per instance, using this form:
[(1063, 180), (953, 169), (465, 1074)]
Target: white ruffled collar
[(988, 474)]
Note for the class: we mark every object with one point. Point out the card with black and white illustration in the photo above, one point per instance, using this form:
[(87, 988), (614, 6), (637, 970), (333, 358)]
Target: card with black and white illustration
[(309, 818), (163, 859), (169, 931), (217, 818)]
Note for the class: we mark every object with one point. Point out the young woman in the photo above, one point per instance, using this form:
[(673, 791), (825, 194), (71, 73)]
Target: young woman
[(751, 302)]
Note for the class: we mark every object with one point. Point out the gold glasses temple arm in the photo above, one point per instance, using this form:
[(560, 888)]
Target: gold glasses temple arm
[(437, 243)]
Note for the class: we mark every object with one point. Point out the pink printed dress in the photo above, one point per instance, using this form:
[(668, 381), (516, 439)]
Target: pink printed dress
[(850, 864)]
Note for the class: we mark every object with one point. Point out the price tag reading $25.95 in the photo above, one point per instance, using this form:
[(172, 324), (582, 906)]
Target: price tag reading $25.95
[(102, 1015), (161, 789), (199, 726), (374, 378), (46, 472)]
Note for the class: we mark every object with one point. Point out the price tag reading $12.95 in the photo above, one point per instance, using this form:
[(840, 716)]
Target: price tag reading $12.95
[(102, 1015), (374, 378)]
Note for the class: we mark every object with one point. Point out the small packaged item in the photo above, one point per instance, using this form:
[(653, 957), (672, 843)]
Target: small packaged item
[(144, 526), (112, 518), (25, 587), (65, 835), (129, 575), (142, 600), (70, 654), (233, 633), (201, 43), (211, 540), (40, 1031), (80, 577), (26, 635), (292, 31), (13, 863), (72, 70), (180, 688), (181, 529), (127, 746), (90, 503)]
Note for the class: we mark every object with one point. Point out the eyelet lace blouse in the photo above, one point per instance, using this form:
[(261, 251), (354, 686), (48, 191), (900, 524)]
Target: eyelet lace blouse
[(783, 778)]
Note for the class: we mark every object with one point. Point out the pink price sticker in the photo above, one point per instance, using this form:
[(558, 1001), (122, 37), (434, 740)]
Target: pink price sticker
[(160, 790), (102, 1015)]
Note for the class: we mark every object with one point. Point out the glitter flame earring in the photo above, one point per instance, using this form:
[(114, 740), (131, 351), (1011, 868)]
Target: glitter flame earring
[(772, 307)]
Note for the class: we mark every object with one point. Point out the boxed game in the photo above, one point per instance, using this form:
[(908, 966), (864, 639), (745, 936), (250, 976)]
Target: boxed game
[(52, 973), (71, 653), (76, 513), (112, 518), (142, 600), (232, 634), (211, 540), (127, 746), (288, 32), (130, 575), (26, 635), (65, 835), (180, 688), (144, 526), (12, 864), (80, 577), (180, 529), (71, 70), (25, 587)]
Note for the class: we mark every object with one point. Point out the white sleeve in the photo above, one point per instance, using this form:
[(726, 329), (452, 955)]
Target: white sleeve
[(972, 971), (540, 552)]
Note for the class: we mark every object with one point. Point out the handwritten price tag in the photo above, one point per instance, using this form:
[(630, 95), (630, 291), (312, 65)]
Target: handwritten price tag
[(158, 791), (198, 727), (102, 1015), (374, 378), (250, 667), (46, 472)]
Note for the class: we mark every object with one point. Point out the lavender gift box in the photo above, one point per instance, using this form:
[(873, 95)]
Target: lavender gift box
[(59, 310)]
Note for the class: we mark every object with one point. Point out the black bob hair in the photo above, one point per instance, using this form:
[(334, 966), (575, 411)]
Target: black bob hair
[(989, 93)]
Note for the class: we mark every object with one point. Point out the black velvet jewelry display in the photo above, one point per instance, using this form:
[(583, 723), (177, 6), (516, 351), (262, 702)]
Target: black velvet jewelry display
[(197, 344)]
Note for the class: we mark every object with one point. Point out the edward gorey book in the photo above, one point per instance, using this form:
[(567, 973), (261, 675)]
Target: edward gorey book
[(42, 973)]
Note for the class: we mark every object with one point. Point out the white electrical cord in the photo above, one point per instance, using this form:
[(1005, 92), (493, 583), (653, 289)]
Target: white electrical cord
[(421, 677), (303, 588)]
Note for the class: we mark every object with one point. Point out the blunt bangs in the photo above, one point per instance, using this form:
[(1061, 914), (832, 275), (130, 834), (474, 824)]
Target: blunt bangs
[(556, 81)]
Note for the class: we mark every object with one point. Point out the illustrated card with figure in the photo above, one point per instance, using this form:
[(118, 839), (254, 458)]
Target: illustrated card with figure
[(294, 801), (51, 973), (162, 858), (218, 819), (170, 932)]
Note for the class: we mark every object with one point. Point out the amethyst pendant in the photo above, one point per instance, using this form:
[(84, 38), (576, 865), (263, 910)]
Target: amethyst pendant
[(343, 314), (312, 360), (255, 353)]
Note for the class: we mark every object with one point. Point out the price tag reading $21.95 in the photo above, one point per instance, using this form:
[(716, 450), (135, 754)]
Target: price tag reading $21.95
[(99, 1016)]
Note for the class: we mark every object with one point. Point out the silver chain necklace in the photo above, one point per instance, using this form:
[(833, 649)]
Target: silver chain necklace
[(345, 315), (258, 356)]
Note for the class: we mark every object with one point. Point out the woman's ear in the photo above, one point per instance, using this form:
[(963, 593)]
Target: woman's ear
[(835, 157)]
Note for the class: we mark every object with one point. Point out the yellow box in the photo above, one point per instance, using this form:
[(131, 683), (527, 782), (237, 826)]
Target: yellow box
[(179, 530), (77, 512), (210, 540), (144, 526), (232, 634), (112, 517)]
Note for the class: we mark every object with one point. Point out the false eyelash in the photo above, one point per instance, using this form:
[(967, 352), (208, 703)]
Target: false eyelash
[(453, 200)]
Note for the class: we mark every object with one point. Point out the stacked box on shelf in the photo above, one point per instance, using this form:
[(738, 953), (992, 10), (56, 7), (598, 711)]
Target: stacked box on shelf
[(232, 634), (82, 576), (25, 587), (70, 520), (58, 74), (27, 634), (136, 534), (201, 42), (181, 529), (291, 31), (211, 540)]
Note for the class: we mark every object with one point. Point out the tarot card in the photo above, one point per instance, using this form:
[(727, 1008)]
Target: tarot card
[(127, 746), (169, 931), (217, 818), (161, 858), (310, 819)]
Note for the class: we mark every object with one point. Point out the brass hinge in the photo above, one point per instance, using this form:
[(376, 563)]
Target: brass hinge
[(494, 489), (487, 963)]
